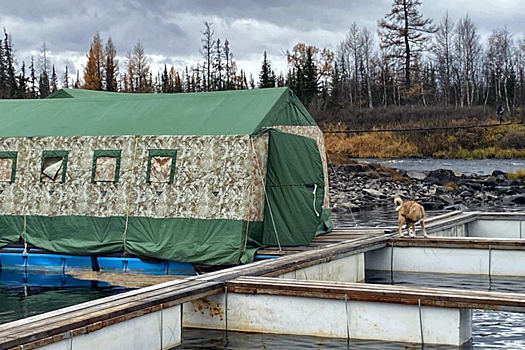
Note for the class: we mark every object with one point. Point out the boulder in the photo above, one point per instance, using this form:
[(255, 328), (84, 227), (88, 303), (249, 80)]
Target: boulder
[(372, 192), (497, 173), (414, 174), (444, 176)]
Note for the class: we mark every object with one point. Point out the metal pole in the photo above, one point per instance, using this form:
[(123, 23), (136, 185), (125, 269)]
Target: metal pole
[(347, 321), (161, 326), (392, 264), (490, 265), (421, 324), (226, 312)]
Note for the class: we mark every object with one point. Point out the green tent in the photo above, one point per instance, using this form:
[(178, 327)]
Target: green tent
[(197, 177)]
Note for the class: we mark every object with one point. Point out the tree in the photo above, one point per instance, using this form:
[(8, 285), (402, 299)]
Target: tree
[(228, 56), (43, 80), (138, 71), (467, 50), (208, 44), (311, 67), (443, 55), (65, 82), (404, 32), (93, 72), (218, 66), (366, 44), (266, 76), (9, 83), (499, 62), (22, 80), (110, 66), (54, 81), (32, 79)]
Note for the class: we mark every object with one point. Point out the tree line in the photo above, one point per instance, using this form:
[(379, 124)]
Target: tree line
[(415, 62)]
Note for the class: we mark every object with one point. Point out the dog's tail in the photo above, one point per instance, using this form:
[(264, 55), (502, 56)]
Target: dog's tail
[(398, 202)]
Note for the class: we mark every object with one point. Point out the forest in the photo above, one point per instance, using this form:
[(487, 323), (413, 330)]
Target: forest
[(408, 71)]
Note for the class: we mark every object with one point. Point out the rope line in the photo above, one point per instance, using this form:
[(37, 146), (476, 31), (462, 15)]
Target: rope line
[(436, 128)]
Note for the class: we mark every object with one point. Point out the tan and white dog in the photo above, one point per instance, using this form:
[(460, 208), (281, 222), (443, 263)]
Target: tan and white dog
[(410, 213)]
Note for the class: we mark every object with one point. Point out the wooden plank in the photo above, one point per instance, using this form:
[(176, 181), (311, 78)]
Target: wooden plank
[(442, 297), (460, 243), (60, 324), (102, 304)]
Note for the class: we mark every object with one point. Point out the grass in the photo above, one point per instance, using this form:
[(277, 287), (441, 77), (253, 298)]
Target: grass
[(502, 141), (518, 175)]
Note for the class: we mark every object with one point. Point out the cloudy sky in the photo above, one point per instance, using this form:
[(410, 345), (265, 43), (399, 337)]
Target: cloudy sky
[(170, 30)]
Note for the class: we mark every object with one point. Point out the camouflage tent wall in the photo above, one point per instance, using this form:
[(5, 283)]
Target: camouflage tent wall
[(192, 196)]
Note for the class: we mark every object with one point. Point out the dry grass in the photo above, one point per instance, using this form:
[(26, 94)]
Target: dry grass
[(505, 141), (518, 175), (380, 145)]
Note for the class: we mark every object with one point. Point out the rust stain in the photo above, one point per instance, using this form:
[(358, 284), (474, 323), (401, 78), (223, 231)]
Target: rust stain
[(207, 306)]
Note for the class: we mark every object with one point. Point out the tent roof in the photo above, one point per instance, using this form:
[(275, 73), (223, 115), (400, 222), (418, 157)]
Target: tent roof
[(72, 112)]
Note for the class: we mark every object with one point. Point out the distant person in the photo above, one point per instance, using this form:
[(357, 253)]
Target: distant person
[(500, 113)]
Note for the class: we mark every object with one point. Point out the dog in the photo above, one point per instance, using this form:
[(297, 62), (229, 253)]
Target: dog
[(410, 213)]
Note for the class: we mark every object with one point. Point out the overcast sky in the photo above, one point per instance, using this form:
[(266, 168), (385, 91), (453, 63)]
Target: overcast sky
[(170, 30)]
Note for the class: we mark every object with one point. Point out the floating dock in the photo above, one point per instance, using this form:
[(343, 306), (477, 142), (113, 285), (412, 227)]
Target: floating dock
[(321, 282)]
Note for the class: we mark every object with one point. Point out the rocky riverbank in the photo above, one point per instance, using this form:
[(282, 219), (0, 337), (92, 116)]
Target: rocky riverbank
[(367, 186)]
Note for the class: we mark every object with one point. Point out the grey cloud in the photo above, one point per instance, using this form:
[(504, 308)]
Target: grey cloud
[(172, 28)]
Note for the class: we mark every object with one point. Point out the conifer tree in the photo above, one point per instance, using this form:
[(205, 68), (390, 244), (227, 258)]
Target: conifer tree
[(93, 71), (54, 81), (9, 68), (32, 79), (266, 76), (65, 82), (22, 88), (110, 66)]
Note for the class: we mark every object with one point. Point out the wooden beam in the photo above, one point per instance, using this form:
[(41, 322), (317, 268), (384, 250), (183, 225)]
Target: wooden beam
[(439, 297)]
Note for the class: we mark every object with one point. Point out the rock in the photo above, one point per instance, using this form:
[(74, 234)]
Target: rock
[(446, 198), (373, 192), (474, 185), (444, 176), (517, 199), (497, 173), (347, 206), (355, 187), (414, 174), (432, 205), (430, 180)]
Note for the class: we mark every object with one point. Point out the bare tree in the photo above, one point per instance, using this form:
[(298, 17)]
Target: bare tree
[(467, 49), (366, 44), (442, 50), (404, 32), (208, 44)]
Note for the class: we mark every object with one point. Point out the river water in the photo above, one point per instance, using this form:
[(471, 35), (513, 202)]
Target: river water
[(23, 295)]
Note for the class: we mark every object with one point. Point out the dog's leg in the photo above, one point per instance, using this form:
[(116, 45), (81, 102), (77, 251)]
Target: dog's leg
[(400, 227), (413, 227), (422, 223)]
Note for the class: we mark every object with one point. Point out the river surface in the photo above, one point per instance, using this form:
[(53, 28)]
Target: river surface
[(27, 294), (468, 167)]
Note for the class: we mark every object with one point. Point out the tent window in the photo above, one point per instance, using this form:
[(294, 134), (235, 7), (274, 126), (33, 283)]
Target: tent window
[(54, 166), (106, 166), (7, 166), (161, 166)]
